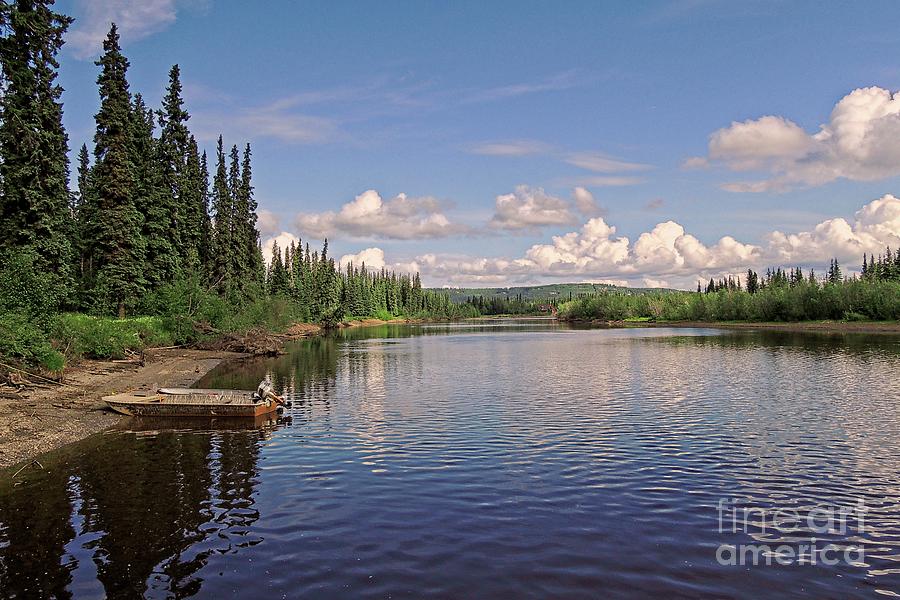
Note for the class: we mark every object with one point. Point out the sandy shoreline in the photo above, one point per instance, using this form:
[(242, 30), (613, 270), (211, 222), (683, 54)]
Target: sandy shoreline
[(39, 418)]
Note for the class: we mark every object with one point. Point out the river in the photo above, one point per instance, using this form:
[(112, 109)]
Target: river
[(507, 459)]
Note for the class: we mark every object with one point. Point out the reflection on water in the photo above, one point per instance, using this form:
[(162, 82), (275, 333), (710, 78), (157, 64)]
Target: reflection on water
[(511, 459), (121, 515)]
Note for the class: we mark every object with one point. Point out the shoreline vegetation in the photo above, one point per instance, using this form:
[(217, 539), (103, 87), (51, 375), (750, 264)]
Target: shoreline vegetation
[(778, 297)]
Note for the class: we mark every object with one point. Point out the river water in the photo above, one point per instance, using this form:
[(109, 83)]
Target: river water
[(508, 459)]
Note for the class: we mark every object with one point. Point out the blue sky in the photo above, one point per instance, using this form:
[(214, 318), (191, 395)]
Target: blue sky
[(506, 124)]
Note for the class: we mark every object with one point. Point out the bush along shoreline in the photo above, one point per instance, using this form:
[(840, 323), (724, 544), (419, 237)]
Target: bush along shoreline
[(779, 296)]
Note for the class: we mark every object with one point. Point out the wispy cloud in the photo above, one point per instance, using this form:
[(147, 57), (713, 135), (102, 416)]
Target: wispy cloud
[(510, 148), (596, 162), (342, 113), (277, 120), (600, 163), (602, 181), (556, 83), (136, 20)]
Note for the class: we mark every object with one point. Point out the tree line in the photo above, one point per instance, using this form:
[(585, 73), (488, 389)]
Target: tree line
[(512, 305), (779, 295), (329, 293)]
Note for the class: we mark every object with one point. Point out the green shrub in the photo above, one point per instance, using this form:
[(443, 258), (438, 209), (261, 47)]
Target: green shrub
[(805, 301), (855, 316), (107, 337), (383, 315), (22, 339), (27, 289)]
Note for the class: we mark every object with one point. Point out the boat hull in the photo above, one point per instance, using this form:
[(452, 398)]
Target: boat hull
[(172, 409), (195, 405)]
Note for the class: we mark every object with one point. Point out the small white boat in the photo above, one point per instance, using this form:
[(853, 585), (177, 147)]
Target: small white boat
[(187, 402)]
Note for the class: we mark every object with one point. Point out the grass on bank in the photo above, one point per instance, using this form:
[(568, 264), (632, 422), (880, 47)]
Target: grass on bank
[(58, 340)]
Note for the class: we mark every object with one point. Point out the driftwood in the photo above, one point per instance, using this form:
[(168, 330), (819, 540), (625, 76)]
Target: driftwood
[(33, 462), (257, 342), (23, 371)]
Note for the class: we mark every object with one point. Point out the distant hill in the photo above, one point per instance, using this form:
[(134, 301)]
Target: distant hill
[(561, 291)]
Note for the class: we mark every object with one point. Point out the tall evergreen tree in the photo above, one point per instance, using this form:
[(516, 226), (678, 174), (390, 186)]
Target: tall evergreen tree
[(195, 207), (223, 208), (254, 259), (204, 245), (117, 238), (151, 197), (85, 216), (34, 168), (174, 141), (239, 221)]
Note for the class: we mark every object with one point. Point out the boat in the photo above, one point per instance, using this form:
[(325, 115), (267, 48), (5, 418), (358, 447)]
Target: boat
[(187, 402)]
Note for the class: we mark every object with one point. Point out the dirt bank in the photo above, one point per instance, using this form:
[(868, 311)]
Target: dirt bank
[(38, 415)]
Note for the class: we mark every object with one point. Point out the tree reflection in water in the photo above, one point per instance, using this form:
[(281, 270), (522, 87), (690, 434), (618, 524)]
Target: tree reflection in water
[(139, 515)]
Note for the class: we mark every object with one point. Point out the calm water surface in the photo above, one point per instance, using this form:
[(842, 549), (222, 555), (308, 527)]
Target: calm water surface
[(494, 460)]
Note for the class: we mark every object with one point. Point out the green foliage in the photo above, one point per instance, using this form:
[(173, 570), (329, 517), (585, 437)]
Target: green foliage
[(804, 301), (383, 315), (22, 339), (26, 288), (34, 164), (107, 337), (117, 241)]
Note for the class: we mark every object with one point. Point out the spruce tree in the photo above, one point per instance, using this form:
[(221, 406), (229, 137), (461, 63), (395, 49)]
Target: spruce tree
[(117, 237), (239, 220), (174, 143), (223, 207), (35, 214), (151, 198), (84, 215), (253, 257), (194, 206), (204, 245)]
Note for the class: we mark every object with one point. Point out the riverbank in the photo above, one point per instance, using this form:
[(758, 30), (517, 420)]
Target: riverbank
[(38, 415), (889, 327)]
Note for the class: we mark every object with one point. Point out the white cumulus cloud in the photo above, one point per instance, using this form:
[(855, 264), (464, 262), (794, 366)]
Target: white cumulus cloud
[(372, 258), (667, 255), (529, 209), (860, 142), (368, 216), (585, 202)]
